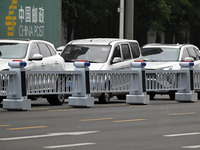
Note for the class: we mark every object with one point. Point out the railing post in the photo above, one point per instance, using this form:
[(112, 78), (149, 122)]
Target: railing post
[(83, 97), (17, 101), (186, 85), (138, 85)]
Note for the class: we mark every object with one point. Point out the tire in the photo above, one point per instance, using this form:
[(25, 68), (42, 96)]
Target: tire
[(152, 95), (121, 97), (198, 95), (56, 99), (1, 98), (172, 95), (104, 98), (33, 98)]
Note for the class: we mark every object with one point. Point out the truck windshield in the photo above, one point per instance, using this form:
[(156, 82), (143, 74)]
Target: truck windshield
[(91, 53)]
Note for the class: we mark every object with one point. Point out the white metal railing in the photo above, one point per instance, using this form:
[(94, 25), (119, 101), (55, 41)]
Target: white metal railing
[(112, 81), (65, 82), (82, 82), (51, 82), (196, 79), (4, 77), (160, 80)]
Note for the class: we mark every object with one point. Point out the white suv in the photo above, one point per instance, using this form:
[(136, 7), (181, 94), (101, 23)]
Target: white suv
[(103, 54)]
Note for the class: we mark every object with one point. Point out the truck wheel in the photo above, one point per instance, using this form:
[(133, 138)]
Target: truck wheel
[(104, 98), (56, 99)]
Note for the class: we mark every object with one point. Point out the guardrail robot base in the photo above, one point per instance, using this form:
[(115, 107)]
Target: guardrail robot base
[(19, 100), (187, 97), (137, 99), (81, 101), (19, 104)]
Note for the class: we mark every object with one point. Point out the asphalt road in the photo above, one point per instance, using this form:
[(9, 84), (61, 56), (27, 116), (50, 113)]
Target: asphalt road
[(161, 125)]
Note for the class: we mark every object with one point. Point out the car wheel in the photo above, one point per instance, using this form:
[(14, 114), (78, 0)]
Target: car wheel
[(56, 99), (104, 98), (198, 95), (33, 98), (152, 95), (1, 98), (172, 95), (121, 97)]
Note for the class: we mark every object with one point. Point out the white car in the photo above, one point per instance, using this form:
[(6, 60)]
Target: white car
[(168, 57), (39, 56), (60, 49), (103, 54)]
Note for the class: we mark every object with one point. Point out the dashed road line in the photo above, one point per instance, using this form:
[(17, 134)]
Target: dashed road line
[(129, 120), (191, 147), (182, 134), (140, 106), (70, 145), (23, 128), (96, 119), (6, 125), (109, 105), (62, 109), (47, 135), (39, 108), (176, 114)]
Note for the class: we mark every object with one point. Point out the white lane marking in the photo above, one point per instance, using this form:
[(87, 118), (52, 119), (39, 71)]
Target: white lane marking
[(47, 135), (182, 134), (195, 146), (70, 145)]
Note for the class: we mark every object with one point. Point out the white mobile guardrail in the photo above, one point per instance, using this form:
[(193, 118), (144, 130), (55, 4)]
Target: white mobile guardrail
[(51, 82), (161, 80), (196, 77), (17, 84), (4, 77), (81, 83), (111, 81), (182, 81), (121, 81)]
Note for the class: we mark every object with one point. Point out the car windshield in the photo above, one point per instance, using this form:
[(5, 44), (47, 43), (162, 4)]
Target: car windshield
[(160, 54), (91, 53), (13, 50)]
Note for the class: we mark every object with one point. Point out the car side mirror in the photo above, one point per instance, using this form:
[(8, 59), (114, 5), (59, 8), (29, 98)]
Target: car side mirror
[(189, 59), (36, 57), (116, 60)]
